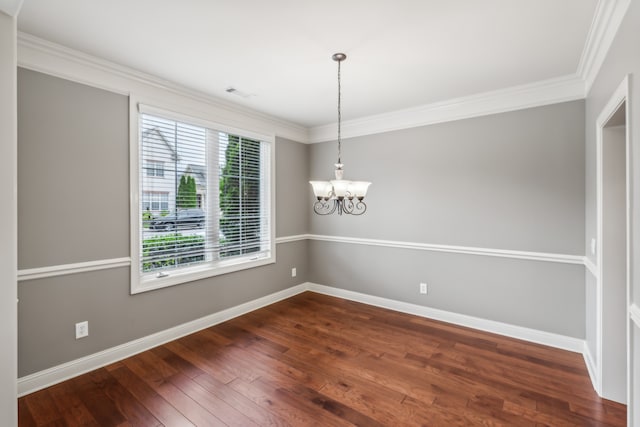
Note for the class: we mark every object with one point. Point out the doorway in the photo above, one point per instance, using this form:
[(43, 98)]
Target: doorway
[(613, 248)]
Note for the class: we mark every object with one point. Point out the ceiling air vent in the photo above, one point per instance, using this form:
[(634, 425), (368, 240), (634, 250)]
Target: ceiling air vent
[(238, 92)]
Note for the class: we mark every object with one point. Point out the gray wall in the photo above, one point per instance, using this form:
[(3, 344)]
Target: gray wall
[(73, 206), (73, 172), (622, 59), (508, 181), (292, 168), (8, 218)]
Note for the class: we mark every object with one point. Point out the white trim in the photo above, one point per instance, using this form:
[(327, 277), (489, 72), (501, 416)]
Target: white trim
[(135, 207), (169, 113), (56, 374), (64, 269), (41, 55), (519, 332), (198, 272), (634, 314), (606, 21), (591, 267), (60, 270), (592, 367), (503, 253), (552, 91), (620, 96), (295, 238)]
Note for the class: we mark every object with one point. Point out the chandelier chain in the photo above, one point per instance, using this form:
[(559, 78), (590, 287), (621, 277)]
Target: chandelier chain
[(339, 117)]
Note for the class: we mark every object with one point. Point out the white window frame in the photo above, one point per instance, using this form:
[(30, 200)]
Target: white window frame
[(143, 282)]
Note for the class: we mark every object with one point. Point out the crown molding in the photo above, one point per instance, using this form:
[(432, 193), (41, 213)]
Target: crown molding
[(44, 56), (552, 91), (606, 21), (11, 7)]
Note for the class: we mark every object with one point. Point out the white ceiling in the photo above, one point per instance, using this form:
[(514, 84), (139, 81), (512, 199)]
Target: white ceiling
[(401, 53)]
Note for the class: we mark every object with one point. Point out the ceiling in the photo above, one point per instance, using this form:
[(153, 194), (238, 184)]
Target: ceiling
[(277, 53)]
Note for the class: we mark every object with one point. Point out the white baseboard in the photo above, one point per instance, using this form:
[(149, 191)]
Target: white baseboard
[(56, 374), (591, 367), (532, 335)]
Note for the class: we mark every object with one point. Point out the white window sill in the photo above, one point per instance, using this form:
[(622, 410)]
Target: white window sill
[(150, 281)]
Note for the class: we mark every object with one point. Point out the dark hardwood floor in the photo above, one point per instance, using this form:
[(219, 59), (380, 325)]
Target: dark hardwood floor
[(322, 361)]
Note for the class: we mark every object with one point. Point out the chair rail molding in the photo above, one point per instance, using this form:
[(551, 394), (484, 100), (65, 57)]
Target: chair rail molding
[(65, 269), (82, 267)]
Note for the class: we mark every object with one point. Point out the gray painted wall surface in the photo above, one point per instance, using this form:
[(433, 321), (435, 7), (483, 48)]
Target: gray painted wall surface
[(622, 59), (538, 295), (54, 125), (73, 173), (508, 181), (292, 166), (8, 219)]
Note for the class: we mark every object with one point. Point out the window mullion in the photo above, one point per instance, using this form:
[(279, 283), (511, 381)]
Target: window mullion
[(213, 194)]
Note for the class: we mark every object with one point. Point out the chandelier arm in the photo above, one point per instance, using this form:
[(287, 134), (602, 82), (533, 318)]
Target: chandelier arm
[(360, 208), (322, 207), (348, 205), (352, 207), (335, 205)]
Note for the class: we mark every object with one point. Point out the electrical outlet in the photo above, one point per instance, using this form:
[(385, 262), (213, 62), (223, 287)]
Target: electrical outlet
[(294, 272), (82, 330), (423, 288)]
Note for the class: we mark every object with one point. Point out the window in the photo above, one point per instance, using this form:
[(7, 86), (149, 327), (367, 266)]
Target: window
[(212, 212), (155, 202), (155, 168)]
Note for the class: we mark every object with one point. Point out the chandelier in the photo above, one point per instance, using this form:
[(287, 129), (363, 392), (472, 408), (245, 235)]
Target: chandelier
[(339, 195)]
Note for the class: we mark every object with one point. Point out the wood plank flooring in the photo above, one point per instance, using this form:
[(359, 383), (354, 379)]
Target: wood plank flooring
[(314, 360)]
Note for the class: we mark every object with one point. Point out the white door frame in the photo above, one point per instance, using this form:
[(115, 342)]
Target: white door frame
[(620, 96)]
